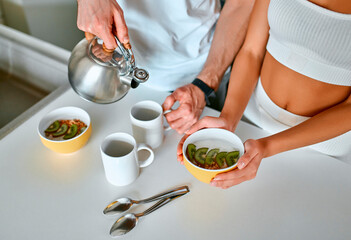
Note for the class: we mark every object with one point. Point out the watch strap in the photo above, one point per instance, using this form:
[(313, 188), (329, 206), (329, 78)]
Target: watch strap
[(209, 92)]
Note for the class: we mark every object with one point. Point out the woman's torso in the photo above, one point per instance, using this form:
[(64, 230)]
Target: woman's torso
[(296, 92)]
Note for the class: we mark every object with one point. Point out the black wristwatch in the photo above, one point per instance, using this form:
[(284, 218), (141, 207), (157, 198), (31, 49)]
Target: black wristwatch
[(209, 92)]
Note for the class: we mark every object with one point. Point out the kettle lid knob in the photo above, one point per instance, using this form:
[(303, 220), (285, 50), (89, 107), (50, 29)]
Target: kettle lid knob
[(140, 75)]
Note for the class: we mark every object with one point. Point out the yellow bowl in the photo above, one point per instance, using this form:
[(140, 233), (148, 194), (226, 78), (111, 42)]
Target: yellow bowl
[(211, 135), (70, 145)]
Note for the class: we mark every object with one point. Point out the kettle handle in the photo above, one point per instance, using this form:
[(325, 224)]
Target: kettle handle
[(125, 45), (126, 50), (107, 49)]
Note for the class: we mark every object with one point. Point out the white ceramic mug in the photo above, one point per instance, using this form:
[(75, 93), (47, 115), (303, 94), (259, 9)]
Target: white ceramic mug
[(119, 152), (147, 123)]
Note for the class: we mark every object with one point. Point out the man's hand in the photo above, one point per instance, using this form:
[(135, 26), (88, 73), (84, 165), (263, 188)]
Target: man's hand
[(102, 18), (192, 102)]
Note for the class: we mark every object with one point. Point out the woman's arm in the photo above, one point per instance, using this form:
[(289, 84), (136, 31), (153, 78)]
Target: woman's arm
[(228, 38), (247, 66), (244, 76), (323, 126), (245, 72)]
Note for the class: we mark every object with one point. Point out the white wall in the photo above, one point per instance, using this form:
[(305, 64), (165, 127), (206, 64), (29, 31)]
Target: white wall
[(39, 63), (53, 21)]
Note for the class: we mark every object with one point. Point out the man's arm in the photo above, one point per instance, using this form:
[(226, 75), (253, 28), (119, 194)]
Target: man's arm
[(227, 40), (228, 37)]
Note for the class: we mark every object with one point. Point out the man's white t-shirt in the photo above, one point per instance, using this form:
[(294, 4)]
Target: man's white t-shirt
[(170, 38)]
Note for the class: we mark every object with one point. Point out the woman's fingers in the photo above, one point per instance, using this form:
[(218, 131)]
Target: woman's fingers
[(232, 178), (224, 184), (202, 123), (207, 122), (180, 148), (248, 172), (229, 178), (250, 153)]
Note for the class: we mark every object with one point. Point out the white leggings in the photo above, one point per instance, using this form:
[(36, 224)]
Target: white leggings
[(263, 112)]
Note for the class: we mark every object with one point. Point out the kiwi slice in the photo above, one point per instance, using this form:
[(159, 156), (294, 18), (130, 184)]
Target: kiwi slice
[(220, 159), (53, 127), (61, 131), (200, 155), (211, 156), (82, 129), (72, 132), (191, 149), (232, 158)]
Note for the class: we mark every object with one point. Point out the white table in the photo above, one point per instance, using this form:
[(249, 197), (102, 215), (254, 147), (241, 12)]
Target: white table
[(299, 194)]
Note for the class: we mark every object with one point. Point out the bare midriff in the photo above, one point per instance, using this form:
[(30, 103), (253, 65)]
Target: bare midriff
[(297, 93)]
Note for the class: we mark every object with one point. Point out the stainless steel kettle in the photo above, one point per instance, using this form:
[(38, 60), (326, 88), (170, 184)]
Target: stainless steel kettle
[(103, 76)]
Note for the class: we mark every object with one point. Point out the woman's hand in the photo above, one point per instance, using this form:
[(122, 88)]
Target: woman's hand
[(102, 18), (247, 169), (206, 122)]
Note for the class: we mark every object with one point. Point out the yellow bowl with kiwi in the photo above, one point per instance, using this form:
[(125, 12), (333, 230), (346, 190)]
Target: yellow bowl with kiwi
[(211, 151), (65, 130)]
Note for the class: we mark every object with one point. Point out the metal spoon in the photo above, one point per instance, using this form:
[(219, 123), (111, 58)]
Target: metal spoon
[(123, 204), (127, 222)]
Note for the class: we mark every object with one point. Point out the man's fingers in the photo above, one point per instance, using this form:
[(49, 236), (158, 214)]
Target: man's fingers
[(89, 36), (99, 18), (109, 39), (177, 95), (169, 102), (121, 26), (183, 111)]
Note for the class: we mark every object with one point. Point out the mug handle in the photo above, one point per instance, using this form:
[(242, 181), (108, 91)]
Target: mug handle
[(167, 128), (150, 159)]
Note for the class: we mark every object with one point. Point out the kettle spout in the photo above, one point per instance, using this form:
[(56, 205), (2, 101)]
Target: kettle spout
[(140, 75), (134, 84), (129, 81), (136, 77)]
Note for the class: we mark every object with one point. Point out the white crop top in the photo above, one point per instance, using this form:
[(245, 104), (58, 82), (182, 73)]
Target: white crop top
[(311, 40)]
